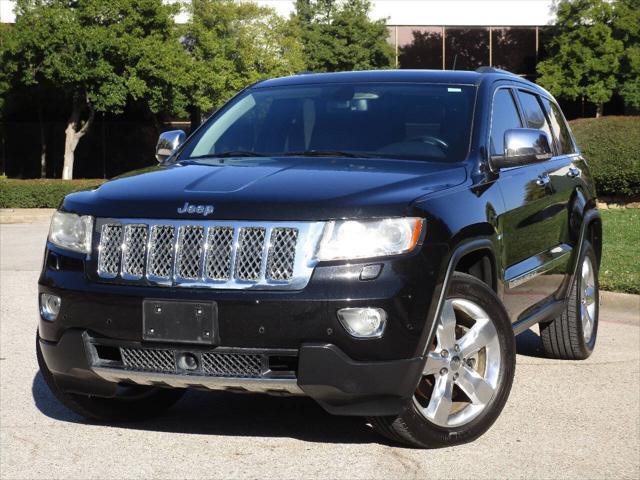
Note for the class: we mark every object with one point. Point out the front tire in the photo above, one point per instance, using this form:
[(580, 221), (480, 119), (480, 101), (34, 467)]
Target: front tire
[(572, 335), (131, 404), (468, 374)]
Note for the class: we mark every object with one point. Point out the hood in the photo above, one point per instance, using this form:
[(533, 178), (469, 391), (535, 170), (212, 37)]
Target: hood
[(269, 188)]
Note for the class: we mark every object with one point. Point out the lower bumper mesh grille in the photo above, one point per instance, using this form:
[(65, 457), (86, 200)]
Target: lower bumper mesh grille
[(241, 365), (231, 365), (148, 360)]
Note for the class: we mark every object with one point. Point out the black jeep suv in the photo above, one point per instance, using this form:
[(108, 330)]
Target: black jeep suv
[(372, 240)]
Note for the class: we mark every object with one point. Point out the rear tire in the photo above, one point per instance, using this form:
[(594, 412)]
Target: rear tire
[(469, 390), (572, 335), (136, 402)]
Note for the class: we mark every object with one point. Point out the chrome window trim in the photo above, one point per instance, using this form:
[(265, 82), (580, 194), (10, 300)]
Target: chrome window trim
[(309, 234)]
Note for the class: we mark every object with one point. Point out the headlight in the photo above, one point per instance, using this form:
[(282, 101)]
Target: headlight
[(71, 231), (350, 239)]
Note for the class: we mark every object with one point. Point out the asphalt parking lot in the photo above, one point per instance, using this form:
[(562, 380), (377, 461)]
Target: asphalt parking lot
[(564, 419)]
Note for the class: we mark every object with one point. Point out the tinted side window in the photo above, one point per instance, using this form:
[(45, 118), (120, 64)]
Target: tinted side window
[(504, 116), (534, 114), (560, 128)]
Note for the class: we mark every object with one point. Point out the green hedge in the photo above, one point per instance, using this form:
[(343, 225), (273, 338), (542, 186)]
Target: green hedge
[(39, 193), (611, 146)]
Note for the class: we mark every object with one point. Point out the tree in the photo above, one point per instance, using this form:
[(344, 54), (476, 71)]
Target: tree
[(5, 73), (231, 45), (340, 36), (98, 55), (626, 28), (584, 58)]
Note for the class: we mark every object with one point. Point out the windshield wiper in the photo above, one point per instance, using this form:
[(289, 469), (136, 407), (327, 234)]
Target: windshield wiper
[(231, 153), (322, 153)]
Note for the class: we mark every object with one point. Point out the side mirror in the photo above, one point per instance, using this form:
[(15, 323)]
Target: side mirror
[(523, 146), (168, 142)]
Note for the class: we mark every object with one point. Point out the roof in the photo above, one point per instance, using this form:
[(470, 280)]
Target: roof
[(458, 77)]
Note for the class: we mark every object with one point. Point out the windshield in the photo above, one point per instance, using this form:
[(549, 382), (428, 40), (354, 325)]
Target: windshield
[(389, 120)]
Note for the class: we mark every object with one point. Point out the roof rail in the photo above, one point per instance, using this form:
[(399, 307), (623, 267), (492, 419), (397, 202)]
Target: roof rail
[(494, 70)]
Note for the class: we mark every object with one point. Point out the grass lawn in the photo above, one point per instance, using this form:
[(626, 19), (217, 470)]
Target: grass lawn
[(620, 269)]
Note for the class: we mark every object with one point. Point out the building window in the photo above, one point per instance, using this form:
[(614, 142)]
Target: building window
[(467, 48), (514, 49), (420, 47)]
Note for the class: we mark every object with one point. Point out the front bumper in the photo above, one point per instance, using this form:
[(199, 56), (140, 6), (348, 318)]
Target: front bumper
[(339, 384), (346, 375)]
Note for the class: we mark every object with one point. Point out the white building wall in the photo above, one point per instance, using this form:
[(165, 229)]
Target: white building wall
[(452, 12), (6, 11), (420, 12)]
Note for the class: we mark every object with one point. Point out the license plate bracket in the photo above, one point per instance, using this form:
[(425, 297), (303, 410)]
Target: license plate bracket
[(180, 321)]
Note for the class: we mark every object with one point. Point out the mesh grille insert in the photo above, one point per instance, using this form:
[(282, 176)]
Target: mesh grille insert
[(110, 247), (161, 251), (231, 364), (219, 247), (282, 253), (134, 250), (190, 252), (148, 359), (250, 249)]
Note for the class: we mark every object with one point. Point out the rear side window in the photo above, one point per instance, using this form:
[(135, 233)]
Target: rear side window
[(534, 114), (504, 116), (560, 128)]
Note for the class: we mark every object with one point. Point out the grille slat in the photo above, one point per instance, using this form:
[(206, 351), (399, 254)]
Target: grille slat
[(161, 247), (224, 255), (219, 249), (190, 248), (110, 250), (250, 250), (134, 251), (282, 253)]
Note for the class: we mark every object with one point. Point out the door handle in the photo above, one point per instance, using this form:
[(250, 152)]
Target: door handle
[(574, 172), (543, 180)]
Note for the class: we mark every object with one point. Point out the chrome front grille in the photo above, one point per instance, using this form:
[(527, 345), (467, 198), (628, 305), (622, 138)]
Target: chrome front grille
[(212, 254)]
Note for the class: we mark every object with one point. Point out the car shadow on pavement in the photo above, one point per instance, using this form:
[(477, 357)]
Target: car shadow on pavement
[(221, 413), (256, 415), (528, 344)]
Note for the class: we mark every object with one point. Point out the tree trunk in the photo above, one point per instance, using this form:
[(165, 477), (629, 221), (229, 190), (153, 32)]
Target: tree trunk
[(73, 133), (195, 118), (43, 143), (599, 109)]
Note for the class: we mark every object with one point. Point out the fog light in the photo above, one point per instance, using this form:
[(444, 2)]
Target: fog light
[(187, 361), (363, 322), (49, 306)]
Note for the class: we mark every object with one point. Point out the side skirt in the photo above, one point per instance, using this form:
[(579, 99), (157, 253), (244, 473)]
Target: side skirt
[(545, 313)]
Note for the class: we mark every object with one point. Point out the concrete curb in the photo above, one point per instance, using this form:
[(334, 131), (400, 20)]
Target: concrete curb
[(26, 215), (621, 302)]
